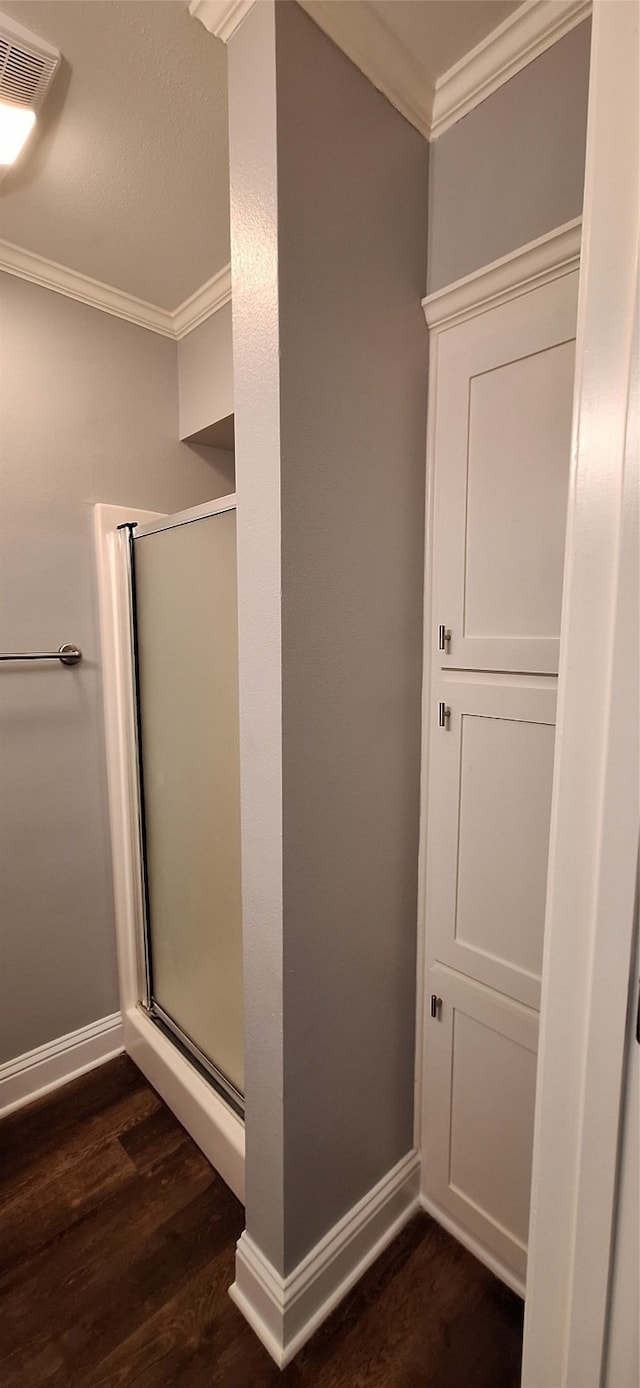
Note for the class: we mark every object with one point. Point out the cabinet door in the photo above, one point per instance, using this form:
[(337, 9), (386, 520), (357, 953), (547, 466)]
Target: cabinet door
[(489, 810), (503, 444), (479, 1108)]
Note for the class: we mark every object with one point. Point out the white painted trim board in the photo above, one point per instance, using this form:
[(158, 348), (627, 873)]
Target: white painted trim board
[(175, 324), (221, 17), (286, 1311), (515, 43), (48, 1067), (360, 32), (554, 254), (585, 1023), (393, 68), (217, 1130)]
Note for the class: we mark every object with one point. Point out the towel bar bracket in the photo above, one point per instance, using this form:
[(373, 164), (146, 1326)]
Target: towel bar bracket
[(67, 655)]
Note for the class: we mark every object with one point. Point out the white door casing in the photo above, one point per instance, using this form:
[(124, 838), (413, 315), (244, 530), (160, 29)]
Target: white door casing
[(500, 408), (587, 1021)]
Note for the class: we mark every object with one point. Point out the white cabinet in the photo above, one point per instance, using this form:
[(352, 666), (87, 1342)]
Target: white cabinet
[(502, 451), (500, 431)]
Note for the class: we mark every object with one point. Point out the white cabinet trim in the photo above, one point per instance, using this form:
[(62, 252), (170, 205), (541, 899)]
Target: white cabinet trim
[(537, 263)]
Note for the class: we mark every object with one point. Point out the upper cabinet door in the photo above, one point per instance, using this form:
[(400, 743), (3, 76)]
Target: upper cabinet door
[(503, 446)]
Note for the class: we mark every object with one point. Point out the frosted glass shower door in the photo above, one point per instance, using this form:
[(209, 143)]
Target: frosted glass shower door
[(185, 627)]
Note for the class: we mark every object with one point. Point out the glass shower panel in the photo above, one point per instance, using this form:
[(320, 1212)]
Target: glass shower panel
[(187, 670)]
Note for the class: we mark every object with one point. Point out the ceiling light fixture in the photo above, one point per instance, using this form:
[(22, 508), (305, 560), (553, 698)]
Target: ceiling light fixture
[(16, 123), (28, 65)]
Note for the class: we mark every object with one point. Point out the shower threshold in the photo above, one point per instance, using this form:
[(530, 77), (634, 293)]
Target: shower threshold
[(192, 1053)]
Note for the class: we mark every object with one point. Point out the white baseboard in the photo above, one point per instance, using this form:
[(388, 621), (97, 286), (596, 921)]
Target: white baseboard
[(285, 1312), (47, 1067), (218, 1131), (473, 1244)]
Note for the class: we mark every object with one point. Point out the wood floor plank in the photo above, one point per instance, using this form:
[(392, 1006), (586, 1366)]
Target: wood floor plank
[(77, 1267), (31, 1148), (41, 1210), (151, 1139), (191, 1241), (117, 1244)]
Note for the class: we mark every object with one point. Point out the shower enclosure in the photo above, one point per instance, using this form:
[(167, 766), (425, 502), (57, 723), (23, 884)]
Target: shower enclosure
[(170, 661)]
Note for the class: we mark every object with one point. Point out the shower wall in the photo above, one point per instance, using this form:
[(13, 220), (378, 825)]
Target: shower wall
[(88, 412)]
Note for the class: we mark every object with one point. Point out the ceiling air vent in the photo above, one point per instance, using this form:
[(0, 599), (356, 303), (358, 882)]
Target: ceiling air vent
[(27, 65)]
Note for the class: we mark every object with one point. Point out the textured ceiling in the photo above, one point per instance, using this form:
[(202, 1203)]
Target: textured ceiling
[(439, 32), (127, 177)]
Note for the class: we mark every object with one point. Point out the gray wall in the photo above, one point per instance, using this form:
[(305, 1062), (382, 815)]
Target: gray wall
[(330, 986), (513, 168), (88, 412), (256, 384), (352, 181), (205, 373)]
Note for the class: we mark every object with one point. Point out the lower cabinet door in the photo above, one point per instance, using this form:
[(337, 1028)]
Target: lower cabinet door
[(479, 1097)]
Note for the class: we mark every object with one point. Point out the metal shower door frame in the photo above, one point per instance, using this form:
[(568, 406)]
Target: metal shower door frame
[(148, 1002)]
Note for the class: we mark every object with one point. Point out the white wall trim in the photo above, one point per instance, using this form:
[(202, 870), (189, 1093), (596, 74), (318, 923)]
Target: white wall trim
[(376, 50), (521, 38), (217, 1130), (176, 323), (586, 1023), (286, 1311), (555, 254), (48, 1067), (201, 304), (396, 72), (474, 1245), (14, 260), (221, 17)]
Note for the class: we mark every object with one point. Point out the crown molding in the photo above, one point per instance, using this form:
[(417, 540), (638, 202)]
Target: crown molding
[(50, 275), (357, 29), (176, 323), (535, 264), (211, 296), (521, 38), (221, 17), (360, 32)]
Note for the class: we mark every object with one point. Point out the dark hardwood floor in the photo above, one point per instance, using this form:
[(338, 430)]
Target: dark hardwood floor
[(116, 1253)]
